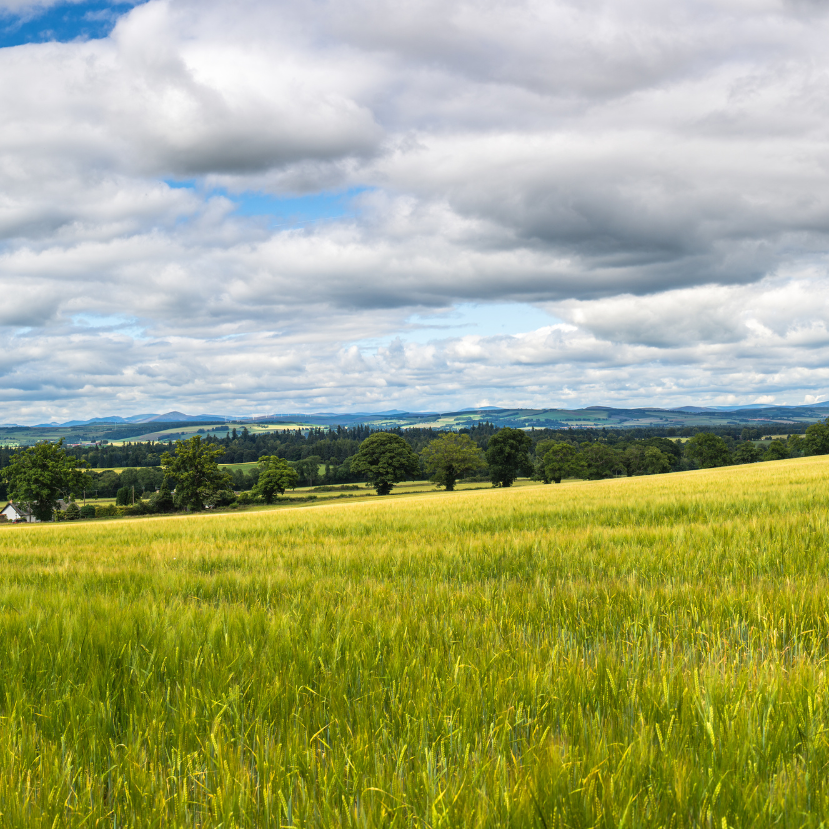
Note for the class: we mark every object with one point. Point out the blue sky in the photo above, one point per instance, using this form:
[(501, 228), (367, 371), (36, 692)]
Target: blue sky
[(62, 22), (287, 206), (486, 320), (283, 210)]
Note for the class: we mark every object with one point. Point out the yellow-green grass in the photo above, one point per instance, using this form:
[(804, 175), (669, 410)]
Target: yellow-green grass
[(300, 495), (245, 467), (639, 652), (365, 492)]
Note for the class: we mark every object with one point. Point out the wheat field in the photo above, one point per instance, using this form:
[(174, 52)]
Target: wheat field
[(645, 652)]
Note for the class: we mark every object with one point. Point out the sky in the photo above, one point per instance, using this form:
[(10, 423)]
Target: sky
[(250, 206)]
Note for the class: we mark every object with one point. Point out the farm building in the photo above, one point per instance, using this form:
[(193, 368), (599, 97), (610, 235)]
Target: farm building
[(16, 512)]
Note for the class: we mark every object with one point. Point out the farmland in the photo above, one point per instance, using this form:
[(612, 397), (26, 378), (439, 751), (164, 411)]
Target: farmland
[(593, 417), (647, 651), (182, 432)]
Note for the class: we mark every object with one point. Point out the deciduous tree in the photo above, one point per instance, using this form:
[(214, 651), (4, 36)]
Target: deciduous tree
[(746, 452), (816, 440), (796, 445), (275, 476), (39, 475), (386, 459), (656, 461), (708, 450), (308, 469), (196, 474), (508, 456), (561, 460), (452, 456), (162, 501), (778, 450), (602, 461)]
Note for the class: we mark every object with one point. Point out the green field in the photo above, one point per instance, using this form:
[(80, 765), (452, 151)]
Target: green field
[(187, 431), (245, 467), (638, 652)]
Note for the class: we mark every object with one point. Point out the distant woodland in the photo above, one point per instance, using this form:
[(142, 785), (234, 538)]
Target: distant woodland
[(324, 456)]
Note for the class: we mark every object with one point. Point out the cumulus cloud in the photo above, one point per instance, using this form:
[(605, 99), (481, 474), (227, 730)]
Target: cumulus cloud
[(150, 100), (654, 175)]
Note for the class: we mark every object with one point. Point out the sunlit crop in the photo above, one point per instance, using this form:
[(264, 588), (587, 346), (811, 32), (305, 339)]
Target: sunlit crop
[(638, 652)]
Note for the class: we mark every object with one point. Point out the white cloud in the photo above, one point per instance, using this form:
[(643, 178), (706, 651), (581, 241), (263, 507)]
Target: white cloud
[(655, 175)]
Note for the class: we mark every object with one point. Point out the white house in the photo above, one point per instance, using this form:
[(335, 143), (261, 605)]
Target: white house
[(15, 512)]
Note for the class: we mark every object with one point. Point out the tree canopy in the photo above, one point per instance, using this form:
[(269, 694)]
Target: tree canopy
[(308, 469), (778, 450), (163, 501), (275, 476), (452, 456), (746, 452), (559, 460), (602, 461), (708, 450), (816, 439), (39, 475), (386, 459), (196, 474), (508, 456)]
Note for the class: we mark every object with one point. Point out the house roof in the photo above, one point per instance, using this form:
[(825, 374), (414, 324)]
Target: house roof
[(16, 507)]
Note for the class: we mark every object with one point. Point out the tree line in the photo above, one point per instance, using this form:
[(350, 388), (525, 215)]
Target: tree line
[(187, 476)]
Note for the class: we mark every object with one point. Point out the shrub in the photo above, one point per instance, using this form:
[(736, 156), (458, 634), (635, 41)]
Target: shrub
[(223, 498), (87, 511), (162, 501), (73, 512)]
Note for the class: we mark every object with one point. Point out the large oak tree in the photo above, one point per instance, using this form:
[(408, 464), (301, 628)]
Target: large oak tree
[(274, 478), (196, 473), (508, 456), (452, 456), (40, 475), (386, 459)]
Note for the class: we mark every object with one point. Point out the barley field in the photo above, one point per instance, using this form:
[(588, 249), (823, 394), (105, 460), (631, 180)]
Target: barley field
[(645, 652)]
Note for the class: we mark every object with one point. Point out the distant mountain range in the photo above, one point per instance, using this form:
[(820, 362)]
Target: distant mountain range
[(743, 408), (180, 417), (168, 417), (589, 417)]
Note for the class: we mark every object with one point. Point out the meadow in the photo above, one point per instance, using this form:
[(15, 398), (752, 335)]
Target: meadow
[(643, 652)]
